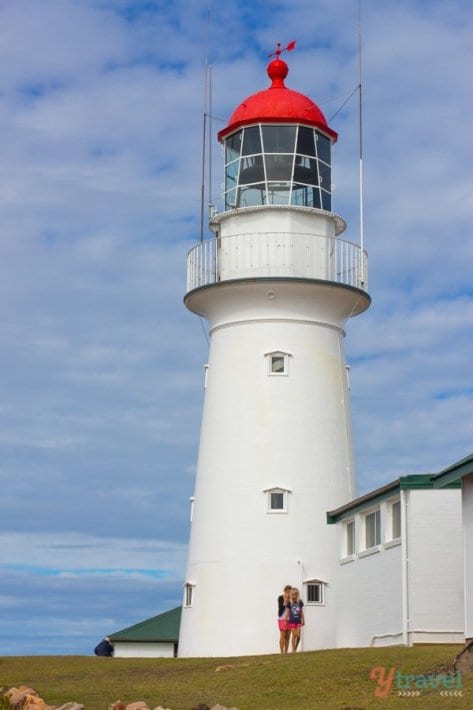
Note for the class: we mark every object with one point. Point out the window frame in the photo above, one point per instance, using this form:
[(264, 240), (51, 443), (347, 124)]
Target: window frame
[(189, 588), (346, 548), (395, 518), (314, 583), (377, 528), (280, 354), (277, 490), (312, 188)]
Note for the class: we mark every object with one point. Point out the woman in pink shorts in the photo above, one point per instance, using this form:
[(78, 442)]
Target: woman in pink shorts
[(284, 633), (295, 618)]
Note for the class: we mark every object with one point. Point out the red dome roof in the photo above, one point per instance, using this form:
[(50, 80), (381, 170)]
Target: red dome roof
[(277, 104)]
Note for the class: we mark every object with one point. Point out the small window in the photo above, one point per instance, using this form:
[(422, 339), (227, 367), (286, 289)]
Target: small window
[(277, 500), (396, 519), (314, 592), (278, 363), (350, 538), (188, 594), (373, 529)]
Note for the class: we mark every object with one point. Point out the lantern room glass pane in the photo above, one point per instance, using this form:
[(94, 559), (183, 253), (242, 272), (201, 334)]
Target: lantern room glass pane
[(278, 193), (251, 170), (251, 141), (305, 196), (305, 141), (231, 174), (305, 170), (252, 195), (326, 201), (233, 146), (279, 139), (230, 198), (323, 148), (278, 167), (325, 176)]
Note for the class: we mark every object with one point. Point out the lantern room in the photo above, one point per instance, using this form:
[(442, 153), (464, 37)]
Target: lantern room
[(278, 149)]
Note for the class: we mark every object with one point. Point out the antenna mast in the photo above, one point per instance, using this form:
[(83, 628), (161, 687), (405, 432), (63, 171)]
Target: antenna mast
[(204, 125), (360, 141)]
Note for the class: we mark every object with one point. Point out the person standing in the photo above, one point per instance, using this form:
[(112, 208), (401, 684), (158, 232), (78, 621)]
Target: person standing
[(295, 618), (283, 605)]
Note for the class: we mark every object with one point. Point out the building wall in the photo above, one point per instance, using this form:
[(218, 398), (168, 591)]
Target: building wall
[(368, 594), (467, 499), (141, 649), (435, 566), (261, 432)]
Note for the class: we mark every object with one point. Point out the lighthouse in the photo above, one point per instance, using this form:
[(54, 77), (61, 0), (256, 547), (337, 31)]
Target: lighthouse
[(277, 284)]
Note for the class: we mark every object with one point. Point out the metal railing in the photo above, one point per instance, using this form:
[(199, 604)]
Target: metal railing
[(276, 254)]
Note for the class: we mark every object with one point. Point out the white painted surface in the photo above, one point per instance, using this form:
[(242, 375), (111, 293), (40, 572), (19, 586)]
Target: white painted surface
[(368, 595), (467, 503), (140, 649), (435, 566), (369, 589), (260, 432)]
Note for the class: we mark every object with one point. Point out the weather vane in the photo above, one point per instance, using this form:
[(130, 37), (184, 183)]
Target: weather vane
[(279, 51)]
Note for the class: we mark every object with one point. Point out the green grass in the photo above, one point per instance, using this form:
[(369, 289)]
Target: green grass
[(329, 680)]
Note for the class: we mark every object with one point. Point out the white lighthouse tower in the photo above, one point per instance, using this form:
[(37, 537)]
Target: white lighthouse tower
[(277, 285)]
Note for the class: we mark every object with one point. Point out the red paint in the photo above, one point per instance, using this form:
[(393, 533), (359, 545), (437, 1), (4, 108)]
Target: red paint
[(277, 104)]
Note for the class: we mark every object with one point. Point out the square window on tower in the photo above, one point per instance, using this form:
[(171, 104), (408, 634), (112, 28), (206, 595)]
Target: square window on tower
[(278, 363), (277, 500)]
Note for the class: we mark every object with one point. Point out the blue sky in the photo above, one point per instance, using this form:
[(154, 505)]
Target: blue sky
[(100, 123)]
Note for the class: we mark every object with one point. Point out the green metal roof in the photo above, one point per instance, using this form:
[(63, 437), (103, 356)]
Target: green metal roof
[(164, 627), (454, 473), (414, 481)]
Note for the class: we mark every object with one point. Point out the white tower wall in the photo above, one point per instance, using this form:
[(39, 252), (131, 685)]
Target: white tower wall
[(262, 431)]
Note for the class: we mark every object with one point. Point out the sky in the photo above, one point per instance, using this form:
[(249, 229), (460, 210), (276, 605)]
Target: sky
[(101, 384)]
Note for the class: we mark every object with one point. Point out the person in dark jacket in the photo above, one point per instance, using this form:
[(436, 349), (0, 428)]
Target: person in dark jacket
[(104, 648), (284, 633)]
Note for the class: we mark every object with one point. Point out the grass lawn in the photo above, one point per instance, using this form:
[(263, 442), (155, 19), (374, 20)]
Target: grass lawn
[(327, 680)]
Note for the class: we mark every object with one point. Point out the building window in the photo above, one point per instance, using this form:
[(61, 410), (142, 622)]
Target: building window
[(350, 538), (278, 363), (396, 519), (277, 500), (373, 529), (188, 594), (314, 592)]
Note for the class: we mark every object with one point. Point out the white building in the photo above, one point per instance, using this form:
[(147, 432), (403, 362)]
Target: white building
[(275, 494), (152, 638), (400, 565), (462, 473)]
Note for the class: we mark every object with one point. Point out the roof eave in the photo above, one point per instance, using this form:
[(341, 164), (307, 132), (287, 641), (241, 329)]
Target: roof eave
[(454, 473)]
